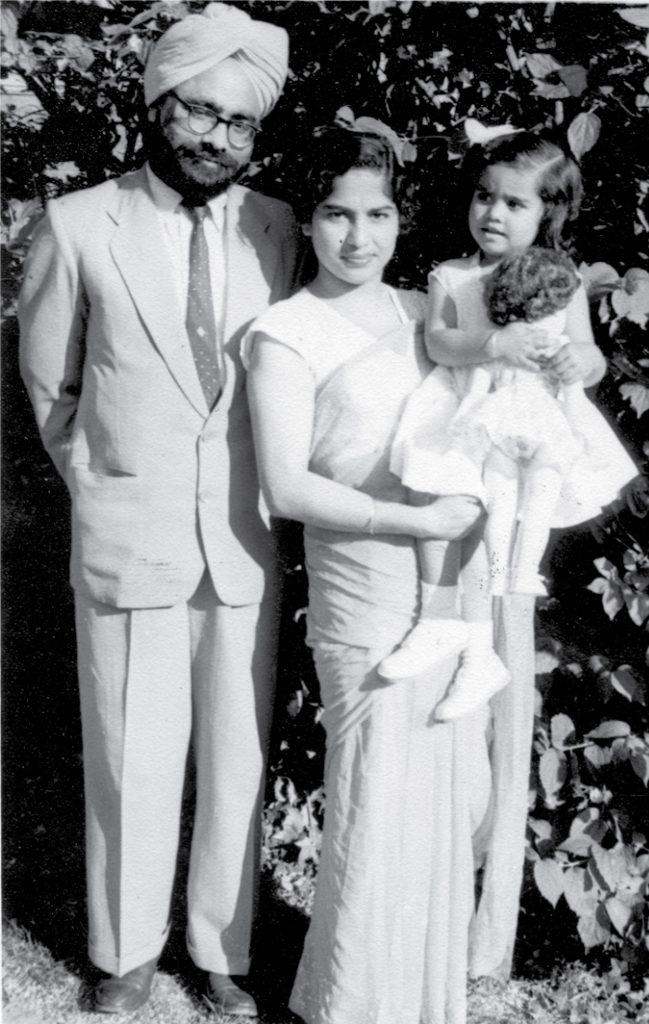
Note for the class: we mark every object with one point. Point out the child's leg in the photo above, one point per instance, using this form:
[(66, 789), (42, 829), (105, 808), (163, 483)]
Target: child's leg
[(439, 569), (542, 485), (438, 633), (481, 672), (501, 481)]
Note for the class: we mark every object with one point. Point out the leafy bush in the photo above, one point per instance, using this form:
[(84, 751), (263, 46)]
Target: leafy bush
[(71, 112)]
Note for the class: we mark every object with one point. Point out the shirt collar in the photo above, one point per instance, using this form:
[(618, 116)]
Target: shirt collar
[(167, 200)]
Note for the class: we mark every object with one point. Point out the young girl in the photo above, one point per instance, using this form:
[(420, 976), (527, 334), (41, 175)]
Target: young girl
[(492, 426)]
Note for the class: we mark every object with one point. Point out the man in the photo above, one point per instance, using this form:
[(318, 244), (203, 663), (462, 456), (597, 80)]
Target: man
[(136, 296)]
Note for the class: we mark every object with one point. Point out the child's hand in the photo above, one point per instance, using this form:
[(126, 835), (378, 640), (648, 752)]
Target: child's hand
[(566, 364), (521, 345)]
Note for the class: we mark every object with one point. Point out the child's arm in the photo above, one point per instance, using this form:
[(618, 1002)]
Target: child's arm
[(447, 345), (580, 359)]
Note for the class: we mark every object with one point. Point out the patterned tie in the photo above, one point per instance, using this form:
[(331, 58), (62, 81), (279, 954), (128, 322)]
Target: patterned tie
[(200, 323)]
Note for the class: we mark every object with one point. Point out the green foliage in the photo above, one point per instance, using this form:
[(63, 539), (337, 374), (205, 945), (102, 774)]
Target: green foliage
[(71, 117)]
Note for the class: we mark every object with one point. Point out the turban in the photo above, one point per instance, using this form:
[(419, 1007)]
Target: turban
[(200, 41)]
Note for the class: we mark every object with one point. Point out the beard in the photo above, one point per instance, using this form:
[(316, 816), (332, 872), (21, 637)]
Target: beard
[(198, 172)]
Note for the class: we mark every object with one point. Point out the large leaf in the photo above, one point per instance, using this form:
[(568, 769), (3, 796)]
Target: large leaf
[(553, 772), (609, 730), (549, 879), (638, 396), (540, 827), (591, 932), (638, 16), (624, 681), (579, 891), (578, 845), (561, 729), (615, 869), (609, 586), (599, 279), (540, 65), (632, 301), (551, 90), (640, 765), (584, 820), (8, 28), (380, 6), (583, 133), (21, 219), (575, 78), (598, 756), (619, 914)]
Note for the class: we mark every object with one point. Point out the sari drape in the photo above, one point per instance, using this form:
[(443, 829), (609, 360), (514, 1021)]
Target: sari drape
[(414, 807)]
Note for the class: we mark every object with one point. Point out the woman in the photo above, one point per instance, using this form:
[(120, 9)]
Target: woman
[(329, 372)]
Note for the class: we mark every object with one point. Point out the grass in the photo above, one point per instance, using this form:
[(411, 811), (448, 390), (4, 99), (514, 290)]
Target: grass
[(52, 983), (38, 989)]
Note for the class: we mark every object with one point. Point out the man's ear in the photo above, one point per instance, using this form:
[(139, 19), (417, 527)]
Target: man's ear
[(306, 230)]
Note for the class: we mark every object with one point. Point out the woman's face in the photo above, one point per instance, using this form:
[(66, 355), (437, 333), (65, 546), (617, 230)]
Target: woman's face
[(355, 229)]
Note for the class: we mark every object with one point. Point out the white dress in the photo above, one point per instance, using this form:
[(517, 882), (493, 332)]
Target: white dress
[(449, 424), (413, 806)]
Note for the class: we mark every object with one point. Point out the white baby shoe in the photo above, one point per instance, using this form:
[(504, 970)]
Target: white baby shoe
[(480, 675), (430, 642)]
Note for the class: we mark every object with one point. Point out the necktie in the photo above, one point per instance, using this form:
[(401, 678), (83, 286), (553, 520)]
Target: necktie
[(201, 326)]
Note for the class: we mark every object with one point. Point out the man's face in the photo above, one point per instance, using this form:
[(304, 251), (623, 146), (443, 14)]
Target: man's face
[(202, 166)]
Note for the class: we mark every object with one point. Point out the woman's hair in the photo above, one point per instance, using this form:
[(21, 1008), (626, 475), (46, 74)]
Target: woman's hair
[(330, 153), (530, 285), (559, 178)]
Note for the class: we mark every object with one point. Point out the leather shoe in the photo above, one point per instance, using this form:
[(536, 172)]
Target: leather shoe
[(125, 994), (222, 994)]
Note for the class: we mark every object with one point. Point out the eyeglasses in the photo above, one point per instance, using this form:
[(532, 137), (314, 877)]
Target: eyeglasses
[(201, 120)]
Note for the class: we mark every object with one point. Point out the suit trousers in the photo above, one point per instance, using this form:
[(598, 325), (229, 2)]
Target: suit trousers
[(152, 680)]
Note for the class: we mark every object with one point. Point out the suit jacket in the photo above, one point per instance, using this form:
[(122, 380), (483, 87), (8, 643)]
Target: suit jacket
[(160, 487)]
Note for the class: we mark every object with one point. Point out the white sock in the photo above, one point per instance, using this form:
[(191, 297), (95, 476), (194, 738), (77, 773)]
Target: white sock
[(437, 602)]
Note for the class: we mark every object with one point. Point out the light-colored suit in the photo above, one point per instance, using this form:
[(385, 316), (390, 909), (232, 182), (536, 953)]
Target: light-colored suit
[(162, 490)]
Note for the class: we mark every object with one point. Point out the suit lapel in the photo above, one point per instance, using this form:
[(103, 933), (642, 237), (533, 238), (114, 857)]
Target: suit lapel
[(251, 259), (139, 250)]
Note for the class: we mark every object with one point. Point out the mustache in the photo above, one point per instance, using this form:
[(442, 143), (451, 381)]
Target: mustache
[(208, 151)]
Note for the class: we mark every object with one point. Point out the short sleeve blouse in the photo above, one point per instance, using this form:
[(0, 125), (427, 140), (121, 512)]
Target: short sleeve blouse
[(463, 281), (318, 333)]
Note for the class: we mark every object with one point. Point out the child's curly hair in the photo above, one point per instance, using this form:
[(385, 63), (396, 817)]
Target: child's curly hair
[(530, 285)]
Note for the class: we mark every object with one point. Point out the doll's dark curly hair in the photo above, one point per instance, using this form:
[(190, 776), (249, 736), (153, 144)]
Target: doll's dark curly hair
[(531, 285)]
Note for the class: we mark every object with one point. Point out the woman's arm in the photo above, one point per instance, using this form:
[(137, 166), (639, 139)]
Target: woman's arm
[(580, 359), (282, 401), (517, 343)]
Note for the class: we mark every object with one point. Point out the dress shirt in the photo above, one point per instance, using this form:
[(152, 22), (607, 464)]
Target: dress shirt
[(176, 223)]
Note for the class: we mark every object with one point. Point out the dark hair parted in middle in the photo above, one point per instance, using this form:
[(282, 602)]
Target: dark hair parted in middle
[(559, 178), (330, 153)]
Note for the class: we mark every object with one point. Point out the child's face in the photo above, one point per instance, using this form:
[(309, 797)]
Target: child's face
[(506, 211), (355, 229)]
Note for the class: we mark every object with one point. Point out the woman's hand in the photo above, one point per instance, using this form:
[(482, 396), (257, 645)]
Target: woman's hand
[(448, 517), (521, 345)]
